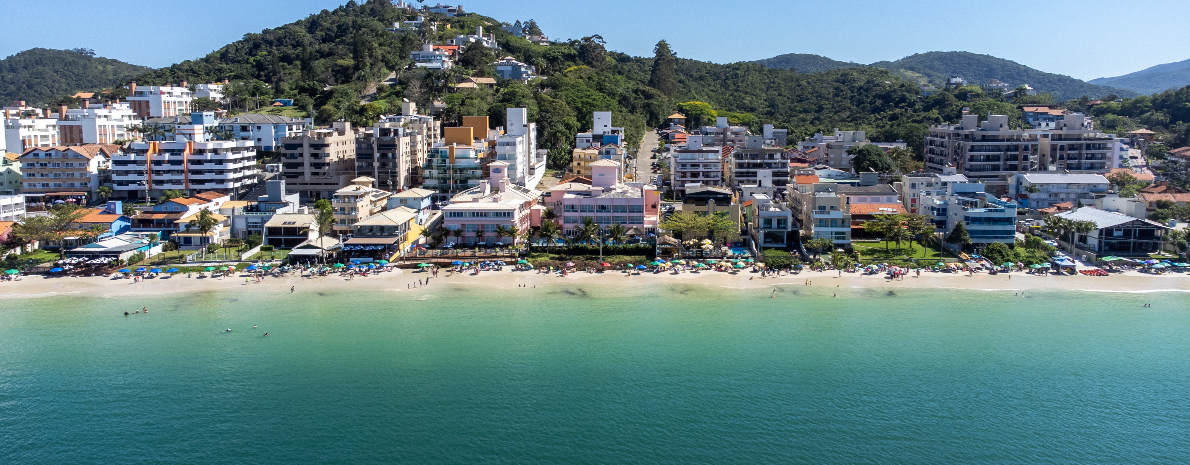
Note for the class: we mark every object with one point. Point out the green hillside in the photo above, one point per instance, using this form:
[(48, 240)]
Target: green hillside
[(805, 63), (936, 67), (1153, 80), (40, 75)]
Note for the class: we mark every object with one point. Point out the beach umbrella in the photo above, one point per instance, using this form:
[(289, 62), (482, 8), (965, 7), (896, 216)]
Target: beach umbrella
[(519, 262), (350, 267), (339, 265), (750, 260), (124, 270), (424, 265), (382, 262), (172, 270), (605, 264), (371, 265), (940, 264), (700, 265), (223, 268), (10, 272), (642, 267), (569, 263), (678, 262), (1008, 264), (713, 262), (56, 270), (251, 267), (141, 270), (738, 265), (155, 270)]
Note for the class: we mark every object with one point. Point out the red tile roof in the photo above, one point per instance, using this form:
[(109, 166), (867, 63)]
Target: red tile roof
[(89, 151), (97, 216), (805, 179), (6, 226), (188, 201), (1178, 198), (210, 196), (1146, 177)]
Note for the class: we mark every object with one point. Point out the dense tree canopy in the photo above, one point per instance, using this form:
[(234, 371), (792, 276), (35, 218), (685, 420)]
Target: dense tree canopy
[(40, 75)]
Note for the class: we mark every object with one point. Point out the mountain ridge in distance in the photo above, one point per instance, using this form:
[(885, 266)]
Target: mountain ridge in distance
[(39, 75), (1151, 80), (935, 68)]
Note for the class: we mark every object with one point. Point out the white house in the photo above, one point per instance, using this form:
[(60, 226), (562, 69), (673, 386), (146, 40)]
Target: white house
[(159, 101), (96, 124), (265, 131)]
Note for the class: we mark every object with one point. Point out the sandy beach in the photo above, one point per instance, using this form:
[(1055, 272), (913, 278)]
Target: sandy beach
[(405, 281)]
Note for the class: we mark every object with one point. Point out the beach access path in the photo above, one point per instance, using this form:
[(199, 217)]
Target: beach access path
[(406, 281)]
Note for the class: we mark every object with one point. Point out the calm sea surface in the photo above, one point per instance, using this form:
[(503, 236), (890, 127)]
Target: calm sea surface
[(598, 375)]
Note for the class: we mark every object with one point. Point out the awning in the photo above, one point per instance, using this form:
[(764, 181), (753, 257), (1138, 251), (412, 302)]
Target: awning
[(307, 252), (373, 241)]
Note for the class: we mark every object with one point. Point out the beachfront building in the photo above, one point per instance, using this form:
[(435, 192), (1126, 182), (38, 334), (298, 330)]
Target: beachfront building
[(173, 220), (288, 230), (319, 162), (394, 150), (913, 185), (1116, 233), (357, 202), (249, 217), (607, 200), (119, 247), (416, 199), (823, 212), (771, 223), (12, 207), (992, 153), (96, 124), (479, 211), (1043, 190), (159, 101), (264, 131), (518, 148), (380, 236), (56, 172), (986, 218), (150, 168), (708, 200), (457, 163)]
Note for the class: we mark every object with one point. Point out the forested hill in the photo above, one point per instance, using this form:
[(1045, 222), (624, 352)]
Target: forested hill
[(937, 67), (40, 75), (805, 63), (1152, 80)]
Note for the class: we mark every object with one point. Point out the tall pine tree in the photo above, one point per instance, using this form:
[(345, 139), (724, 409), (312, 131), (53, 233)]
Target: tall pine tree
[(664, 78)]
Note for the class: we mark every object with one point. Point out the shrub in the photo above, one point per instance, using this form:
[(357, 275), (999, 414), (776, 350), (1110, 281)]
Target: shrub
[(266, 248), (777, 259)]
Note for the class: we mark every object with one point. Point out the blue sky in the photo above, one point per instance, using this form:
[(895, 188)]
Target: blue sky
[(1085, 39)]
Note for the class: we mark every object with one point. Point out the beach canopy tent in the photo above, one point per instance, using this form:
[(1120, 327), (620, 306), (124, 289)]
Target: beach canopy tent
[(313, 249), (1064, 262)]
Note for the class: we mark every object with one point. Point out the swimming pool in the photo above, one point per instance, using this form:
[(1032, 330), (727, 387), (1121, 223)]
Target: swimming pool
[(740, 251)]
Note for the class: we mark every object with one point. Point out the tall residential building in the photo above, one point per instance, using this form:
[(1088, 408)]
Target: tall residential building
[(832, 150), (914, 185), (264, 131), (65, 172), (394, 151), (96, 124), (696, 166), (357, 202), (748, 162), (12, 207), (990, 152), (823, 212), (457, 163), (159, 101), (722, 134), (602, 133), (479, 211), (518, 148), (227, 167), (319, 162), (22, 133)]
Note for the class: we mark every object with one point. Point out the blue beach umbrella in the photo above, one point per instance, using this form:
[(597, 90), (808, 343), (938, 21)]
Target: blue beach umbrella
[(124, 270), (172, 270), (456, 262), (155, 270), (141, 270), (56, 270), (642, 267), (251, 267), (350, 266)]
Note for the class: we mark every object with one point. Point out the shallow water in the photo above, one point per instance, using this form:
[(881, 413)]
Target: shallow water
[(677, 374)]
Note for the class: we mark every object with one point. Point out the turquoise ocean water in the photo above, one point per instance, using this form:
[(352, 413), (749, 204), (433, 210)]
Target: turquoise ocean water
[(672, 374)]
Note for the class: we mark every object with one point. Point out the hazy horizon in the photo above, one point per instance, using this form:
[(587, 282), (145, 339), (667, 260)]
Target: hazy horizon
[(699, 30)]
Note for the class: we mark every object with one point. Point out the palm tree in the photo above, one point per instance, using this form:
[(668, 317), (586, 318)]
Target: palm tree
[(204, 223), (588, 231), (104, 192), (458, 234), (513, 234), (549, 215), (501, 233), (1081, 228), (616, 233), (550, 231), (479, 233)]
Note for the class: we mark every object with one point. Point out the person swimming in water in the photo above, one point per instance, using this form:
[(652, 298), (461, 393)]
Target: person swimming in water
[(266, 334), (228, 330), (253, 326), (125, 312)]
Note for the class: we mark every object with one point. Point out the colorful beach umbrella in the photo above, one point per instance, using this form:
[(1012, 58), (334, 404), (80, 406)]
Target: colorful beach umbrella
[(339, 265), (738, 265), (424, 265), (155, 270), (141, 270), (642, 267), (172, 270), (713, 262)]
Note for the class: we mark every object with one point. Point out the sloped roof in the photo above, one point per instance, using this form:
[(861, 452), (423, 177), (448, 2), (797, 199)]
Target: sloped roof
[(5, 226), (210, 196), (1064, 178), (879, 189), (1146, 177), (257, 118), (1103, 218), (676, 115), (96, 215), (394, 217), (1172, 197), (290, 219), (805, 178), (89, 151), (188, 201), (186, 219), (415, 193)]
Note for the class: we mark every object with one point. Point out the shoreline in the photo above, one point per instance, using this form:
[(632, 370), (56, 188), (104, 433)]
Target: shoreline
[(402, 280)]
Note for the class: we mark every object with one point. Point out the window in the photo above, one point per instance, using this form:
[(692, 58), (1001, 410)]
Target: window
[(636, 208), (620, 208), (588, 208)]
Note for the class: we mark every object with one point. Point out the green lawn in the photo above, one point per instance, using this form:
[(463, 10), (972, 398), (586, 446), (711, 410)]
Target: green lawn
[(34, 258), (875, 251), (269, 255)]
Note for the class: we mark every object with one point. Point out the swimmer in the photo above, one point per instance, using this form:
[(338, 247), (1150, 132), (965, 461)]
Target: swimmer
[(125, 313), (228, 330), (253, 326), (266, 334)]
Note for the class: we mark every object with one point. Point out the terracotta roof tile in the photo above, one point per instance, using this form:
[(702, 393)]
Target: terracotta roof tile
[(5, 226), (210, 195), (1180, 198), (876, 208), (188, 201), (96, 216), (89, 151)]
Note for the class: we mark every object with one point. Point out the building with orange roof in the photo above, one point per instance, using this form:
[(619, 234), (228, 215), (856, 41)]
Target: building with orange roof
[(1142, 177), (65, 173), (10, 174), (1043, 116), (6, 230)]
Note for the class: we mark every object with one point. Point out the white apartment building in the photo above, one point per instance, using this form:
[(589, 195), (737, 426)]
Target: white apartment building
[(159, 101), (602, 133), (227, 167), (65, 171), (446, 9), (21, 134), (722, 134), (696, 166), (753, 158), (990, 152), (96, 124), (823, 212), (518, 148), (213, 91), (12, 207), (462, 41), (1053, 188), (264, 131), (914, 185)]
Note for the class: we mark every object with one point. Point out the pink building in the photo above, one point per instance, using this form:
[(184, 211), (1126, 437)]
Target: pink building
[(493, 203), (607, 200)]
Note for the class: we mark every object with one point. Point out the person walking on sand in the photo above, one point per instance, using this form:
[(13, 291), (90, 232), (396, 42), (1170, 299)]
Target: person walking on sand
[(291, 289)]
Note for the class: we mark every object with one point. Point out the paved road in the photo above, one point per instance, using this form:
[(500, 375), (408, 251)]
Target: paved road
[(642, 170)]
